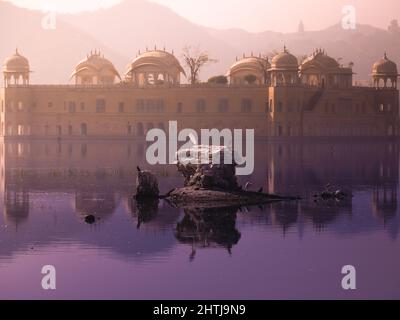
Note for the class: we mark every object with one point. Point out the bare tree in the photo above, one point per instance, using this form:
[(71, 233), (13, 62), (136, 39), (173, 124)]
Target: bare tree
[(264, 66), (272, 54), (301, 58), (195, 59)]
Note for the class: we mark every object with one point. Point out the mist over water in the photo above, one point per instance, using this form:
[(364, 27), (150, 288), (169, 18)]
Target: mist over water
[(154, 251)]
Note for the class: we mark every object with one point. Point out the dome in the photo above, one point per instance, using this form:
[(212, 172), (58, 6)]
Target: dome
[(96, 64), (16, 64), (385, 67), (320, 59), (250, 64), (284, 60), (156, 59)]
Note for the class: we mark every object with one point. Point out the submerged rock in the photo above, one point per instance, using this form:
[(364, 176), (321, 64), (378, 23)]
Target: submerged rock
[(90, 219), (333, 195), (207, 185), (193, 197), (197, 167), (146, 210), (146, 185)]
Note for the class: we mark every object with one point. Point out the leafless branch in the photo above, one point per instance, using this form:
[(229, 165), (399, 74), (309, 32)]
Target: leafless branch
[(194, 60)]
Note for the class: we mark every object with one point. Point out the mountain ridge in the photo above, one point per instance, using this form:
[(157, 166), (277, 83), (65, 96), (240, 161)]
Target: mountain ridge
[(124, 29)]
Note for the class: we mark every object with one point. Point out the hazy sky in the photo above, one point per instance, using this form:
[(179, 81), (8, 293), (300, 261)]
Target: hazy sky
[(252, 15)]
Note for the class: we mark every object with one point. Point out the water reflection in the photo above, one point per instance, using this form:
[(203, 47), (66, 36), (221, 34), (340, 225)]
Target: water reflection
[(145, 210), (199, 227), (384, 203), (101, 205), (153, 214), (208, 227), (47, 188), (16, 209)]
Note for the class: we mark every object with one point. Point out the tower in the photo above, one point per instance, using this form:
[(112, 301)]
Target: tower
[(16, 70), (384, 74)]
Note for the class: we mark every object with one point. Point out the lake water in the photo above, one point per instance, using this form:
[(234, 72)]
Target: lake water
[(293, 250)]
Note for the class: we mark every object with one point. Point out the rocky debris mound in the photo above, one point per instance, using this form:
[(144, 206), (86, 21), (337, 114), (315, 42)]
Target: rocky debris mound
[(329, 194), (146, 185), (208, 183), (90, 219), (199, 170), (193, 197)]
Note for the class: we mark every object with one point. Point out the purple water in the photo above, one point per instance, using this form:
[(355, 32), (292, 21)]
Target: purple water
[(285, 250)]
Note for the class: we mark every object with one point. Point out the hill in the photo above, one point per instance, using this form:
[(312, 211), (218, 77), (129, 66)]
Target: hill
[(121, 31)]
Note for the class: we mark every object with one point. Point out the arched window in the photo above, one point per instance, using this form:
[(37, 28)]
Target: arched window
[(200, 106), (390, 130), (100, 105), (280, 131), (84, 129), (247, 105), (160, 79), (280, 107), (20, 130), (84, 150), (140, 105), (223, 105), (140, 130), (150, 126), (121, 107), (150, 78), (179, 108)]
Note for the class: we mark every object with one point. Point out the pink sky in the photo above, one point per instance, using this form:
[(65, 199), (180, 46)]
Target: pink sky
[(282, 15), (253, 15)]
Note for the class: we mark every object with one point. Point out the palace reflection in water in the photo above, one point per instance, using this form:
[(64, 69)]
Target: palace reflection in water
[(47, 189)]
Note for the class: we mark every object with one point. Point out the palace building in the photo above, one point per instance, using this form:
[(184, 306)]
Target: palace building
[(280, 98)]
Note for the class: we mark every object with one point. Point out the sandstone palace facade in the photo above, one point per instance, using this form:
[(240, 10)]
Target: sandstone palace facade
[(278, 98)]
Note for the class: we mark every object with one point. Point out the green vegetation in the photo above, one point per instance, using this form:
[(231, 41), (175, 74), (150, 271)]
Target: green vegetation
[(218, 80), (250, 78)]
